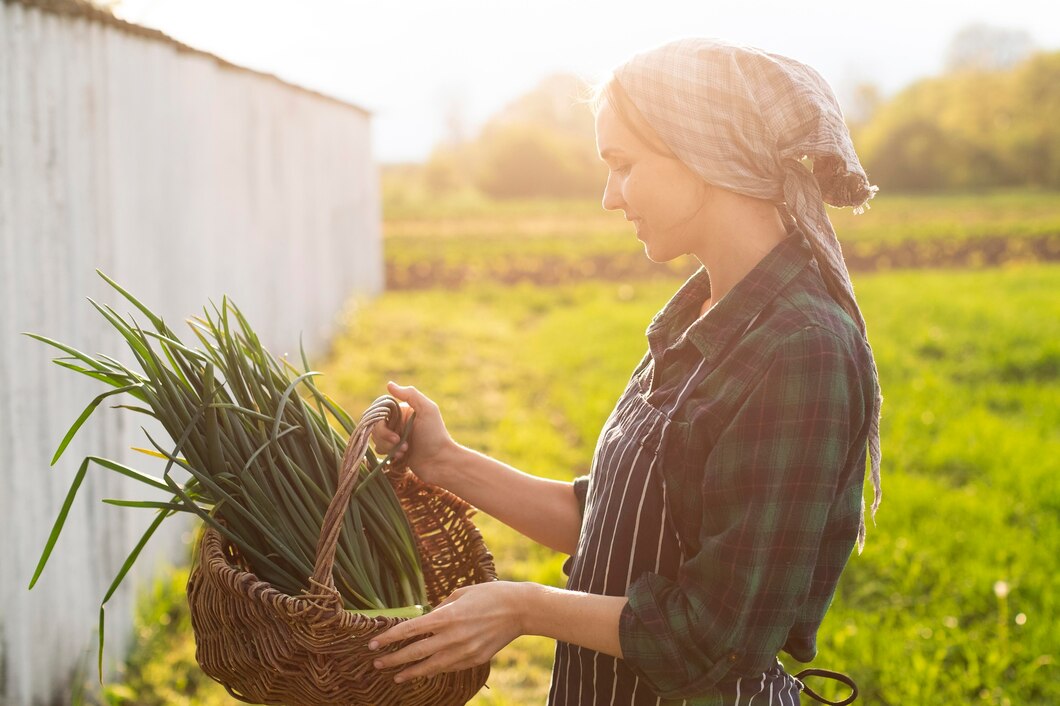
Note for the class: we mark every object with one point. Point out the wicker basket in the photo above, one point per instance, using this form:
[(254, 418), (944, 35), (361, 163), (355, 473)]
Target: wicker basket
[(267, 647)]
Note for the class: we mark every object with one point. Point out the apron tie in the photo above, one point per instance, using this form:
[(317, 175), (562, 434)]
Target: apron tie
[(828, 674)]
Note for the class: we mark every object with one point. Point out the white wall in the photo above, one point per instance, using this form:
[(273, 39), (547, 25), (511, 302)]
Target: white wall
[(184, 179)]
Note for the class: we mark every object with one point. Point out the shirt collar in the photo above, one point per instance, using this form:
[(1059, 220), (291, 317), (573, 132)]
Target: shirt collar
[(730, 316)]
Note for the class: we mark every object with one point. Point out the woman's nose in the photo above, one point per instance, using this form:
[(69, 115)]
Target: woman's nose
[(612, 199)]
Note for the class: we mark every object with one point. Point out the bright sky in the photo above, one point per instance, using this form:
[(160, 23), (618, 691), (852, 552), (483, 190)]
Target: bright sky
[(411, 62)]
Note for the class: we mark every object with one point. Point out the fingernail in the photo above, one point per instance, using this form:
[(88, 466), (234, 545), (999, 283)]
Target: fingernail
[(398, 680), (373, 645), (378, 664)]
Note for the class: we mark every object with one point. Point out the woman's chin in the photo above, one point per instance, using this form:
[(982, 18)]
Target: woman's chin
[(657, 257)]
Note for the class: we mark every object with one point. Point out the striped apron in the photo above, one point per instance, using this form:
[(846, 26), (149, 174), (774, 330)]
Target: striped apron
[(626, 531)]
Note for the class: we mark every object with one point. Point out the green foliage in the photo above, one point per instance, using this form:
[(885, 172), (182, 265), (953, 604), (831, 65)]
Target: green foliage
[(523, 160), (1036, 137), (542, 144), (969, 363), (969, 129), (162, 670)]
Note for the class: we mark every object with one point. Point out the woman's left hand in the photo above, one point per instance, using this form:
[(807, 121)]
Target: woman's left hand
[(466, 629)]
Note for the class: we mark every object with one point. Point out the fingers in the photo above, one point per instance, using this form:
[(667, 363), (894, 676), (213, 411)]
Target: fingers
[(432, 655), (385, 440), (418, 650), (416, 399), (384, 436), (411, 400), (403, 631), (448, 643), (436, 664)]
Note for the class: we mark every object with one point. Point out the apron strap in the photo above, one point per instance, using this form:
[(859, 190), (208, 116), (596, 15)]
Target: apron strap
[(828, 674)]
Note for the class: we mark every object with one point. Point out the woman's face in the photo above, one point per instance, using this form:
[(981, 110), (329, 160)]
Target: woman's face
[(659, 194)]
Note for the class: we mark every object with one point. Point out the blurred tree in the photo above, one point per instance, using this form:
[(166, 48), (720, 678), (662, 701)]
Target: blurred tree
[(985, 124), (401, 187), (863, 102), (552, 104), (523, 160), (449, 167), (1035, 133), (454, 114), (443, 172), (541, 144), (969, 130)]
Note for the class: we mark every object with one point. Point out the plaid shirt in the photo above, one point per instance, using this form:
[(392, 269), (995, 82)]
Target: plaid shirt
[(764, 467)]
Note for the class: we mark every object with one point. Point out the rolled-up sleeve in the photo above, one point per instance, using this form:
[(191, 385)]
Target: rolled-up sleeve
[(767, 489), (581, 488)]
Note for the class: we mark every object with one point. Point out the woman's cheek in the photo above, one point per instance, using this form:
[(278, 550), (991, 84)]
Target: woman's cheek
[(631, 191)]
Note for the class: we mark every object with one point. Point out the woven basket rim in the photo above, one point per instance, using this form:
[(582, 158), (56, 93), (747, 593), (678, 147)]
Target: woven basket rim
[(212, 548)]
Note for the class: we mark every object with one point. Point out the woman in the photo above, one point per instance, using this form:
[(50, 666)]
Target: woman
[(725, 493)]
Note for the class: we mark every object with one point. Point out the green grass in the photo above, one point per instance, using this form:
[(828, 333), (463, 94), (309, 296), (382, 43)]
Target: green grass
[(1019, 210), (969, 365), (891, 218), (490, 240)]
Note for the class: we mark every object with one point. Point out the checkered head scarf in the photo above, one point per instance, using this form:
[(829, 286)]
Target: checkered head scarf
[(744, 120)]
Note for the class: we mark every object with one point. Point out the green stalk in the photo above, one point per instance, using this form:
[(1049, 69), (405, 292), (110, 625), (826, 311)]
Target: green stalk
[(262, 459), (411, 611)]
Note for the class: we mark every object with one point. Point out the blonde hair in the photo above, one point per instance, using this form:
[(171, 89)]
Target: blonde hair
[(610, 92)]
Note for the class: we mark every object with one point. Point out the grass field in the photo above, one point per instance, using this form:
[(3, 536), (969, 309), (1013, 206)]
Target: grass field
[(953, 600), (460, 241), (898, 216)]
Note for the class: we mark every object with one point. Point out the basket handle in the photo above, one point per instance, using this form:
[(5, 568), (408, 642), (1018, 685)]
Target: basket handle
[(385, 408)]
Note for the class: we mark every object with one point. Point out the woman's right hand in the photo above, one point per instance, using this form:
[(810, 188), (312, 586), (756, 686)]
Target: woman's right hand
[(430, 440)]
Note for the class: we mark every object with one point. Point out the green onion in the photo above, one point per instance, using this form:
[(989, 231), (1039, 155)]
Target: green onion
[(412, 611), (262, 460)]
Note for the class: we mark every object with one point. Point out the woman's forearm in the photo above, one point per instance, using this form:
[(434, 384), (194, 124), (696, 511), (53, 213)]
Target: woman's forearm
[(544, 510), (585, 619), (478, 620)]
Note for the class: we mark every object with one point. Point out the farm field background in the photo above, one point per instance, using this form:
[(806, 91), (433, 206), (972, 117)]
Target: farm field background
[(952, 601), (466, 240)]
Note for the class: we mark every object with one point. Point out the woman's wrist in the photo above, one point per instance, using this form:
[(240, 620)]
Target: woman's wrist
[(445, 469), (529, 607)]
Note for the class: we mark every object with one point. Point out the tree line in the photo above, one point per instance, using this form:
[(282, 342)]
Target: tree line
[(979, 125), (972, 128)]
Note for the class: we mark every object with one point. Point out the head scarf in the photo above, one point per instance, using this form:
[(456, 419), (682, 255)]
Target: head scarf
[(744, 119)]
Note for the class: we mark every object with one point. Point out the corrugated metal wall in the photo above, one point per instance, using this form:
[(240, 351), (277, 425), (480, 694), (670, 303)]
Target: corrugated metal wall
[(184, 179)]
